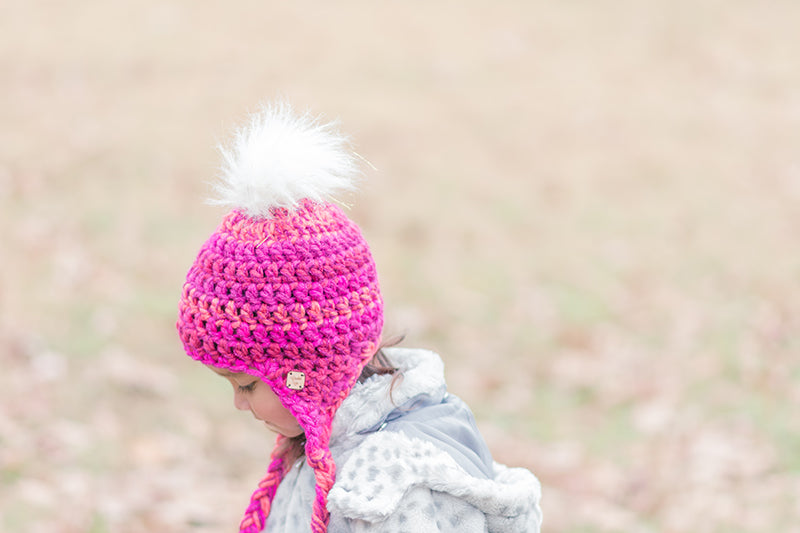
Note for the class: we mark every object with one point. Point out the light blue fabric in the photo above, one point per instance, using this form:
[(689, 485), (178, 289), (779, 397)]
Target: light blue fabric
[(449, 425)]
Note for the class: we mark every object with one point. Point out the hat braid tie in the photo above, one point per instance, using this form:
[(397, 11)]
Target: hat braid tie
[(255, 517), (325, 475)]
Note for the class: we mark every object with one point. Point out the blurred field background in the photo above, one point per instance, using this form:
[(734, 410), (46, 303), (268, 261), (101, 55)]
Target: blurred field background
[(589, 208)]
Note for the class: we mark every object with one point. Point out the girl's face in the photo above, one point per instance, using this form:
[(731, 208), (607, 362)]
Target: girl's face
[(252, 394)]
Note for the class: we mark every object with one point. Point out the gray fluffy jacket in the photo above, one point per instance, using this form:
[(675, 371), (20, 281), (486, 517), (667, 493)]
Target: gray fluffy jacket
[(410, 461)]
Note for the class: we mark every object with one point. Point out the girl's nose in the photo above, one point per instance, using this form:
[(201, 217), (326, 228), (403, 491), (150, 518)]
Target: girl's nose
[(239, 400)]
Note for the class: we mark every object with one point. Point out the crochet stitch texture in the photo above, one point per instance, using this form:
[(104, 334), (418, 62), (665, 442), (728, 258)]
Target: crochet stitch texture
[(294, 291)]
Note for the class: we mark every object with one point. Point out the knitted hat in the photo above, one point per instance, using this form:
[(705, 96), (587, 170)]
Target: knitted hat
[(286, 289)]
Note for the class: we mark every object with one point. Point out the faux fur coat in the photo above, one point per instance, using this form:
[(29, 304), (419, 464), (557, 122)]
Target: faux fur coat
[(410, 461)]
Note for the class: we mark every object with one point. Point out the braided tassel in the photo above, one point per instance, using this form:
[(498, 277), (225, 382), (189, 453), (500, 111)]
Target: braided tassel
[(325, 475), (255, 517)]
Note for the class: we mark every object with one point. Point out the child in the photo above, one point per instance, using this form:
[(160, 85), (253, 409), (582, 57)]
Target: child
[(283, 302)]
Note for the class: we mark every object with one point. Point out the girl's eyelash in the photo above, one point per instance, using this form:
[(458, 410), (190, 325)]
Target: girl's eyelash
[(248, 388)]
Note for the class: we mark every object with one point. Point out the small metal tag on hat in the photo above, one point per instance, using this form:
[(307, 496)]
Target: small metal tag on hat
[(296, 380)]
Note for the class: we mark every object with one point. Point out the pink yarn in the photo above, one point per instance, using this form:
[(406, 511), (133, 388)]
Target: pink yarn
[(255, 516)]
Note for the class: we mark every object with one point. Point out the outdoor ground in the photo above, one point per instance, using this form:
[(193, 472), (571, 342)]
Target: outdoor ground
[(590, 208)]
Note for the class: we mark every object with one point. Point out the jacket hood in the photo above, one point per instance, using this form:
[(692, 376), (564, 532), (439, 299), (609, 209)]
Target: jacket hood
[(368, 406)]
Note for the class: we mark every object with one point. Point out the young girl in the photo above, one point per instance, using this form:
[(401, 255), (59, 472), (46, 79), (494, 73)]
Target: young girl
[(283, 302)]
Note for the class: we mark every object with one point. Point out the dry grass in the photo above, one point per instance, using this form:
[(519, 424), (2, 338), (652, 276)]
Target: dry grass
[(590, 209)]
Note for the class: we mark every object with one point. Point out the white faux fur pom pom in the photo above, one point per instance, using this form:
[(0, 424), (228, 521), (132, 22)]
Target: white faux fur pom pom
[(280, 158)]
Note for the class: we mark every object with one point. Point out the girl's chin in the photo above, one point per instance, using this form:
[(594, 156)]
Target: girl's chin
[(290, 435)]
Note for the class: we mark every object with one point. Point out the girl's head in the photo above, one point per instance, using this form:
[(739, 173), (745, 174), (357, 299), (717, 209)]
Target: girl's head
[(285, 290)]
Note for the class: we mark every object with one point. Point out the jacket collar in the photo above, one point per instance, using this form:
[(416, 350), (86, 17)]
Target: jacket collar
[(369, 403)]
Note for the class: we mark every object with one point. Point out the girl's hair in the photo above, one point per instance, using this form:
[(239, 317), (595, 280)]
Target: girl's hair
[(380, 365)]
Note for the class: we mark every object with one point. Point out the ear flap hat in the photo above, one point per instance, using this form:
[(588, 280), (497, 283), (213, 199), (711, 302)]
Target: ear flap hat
[(286, 289)]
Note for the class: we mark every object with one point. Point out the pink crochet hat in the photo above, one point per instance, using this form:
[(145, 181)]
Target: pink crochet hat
[(286, 288)]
